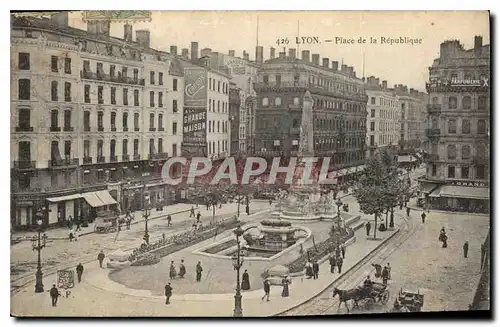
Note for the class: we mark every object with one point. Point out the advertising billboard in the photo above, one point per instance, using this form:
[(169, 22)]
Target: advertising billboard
[(195, 90), (194, 131)]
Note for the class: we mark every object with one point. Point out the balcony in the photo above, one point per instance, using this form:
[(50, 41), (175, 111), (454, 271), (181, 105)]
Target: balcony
[(108, 78), (113, 128), (137, 157), (113, 158), (136, 129), (125, 129), (24, 129), (161, 129), (480, 160), (67, 99), (101, 159), (152, 129), (87, 160), (24, 164), (432, 132), (158, 156), (100, 128), (457, 87), (63, 163), (68, 129), (125, 157), (86, 129), (55, 128), (434, 109)]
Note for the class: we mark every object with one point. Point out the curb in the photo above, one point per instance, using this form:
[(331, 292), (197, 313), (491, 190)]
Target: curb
[(377, 248), (460, 213)]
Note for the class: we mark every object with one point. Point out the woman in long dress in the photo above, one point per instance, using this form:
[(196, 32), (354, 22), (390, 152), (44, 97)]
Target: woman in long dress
[(286, 291), (173, 273), (309, 271), (245, 281)]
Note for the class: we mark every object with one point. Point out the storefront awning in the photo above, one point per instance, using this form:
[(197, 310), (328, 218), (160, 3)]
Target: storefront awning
[(455, 191), (435, 193), (65, 198), (93, 200), (105, 197), (427, 188)]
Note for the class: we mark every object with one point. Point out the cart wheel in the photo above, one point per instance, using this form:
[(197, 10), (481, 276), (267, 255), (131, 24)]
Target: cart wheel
[(369, 302), (385, 297)]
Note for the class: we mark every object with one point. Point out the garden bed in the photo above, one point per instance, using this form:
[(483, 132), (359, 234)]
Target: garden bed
[(221, 247)]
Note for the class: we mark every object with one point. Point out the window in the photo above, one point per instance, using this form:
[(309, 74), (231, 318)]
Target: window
[(100, 90), (480, 172), (372, 113), (113, 95), (451, 151), (151, 121), (67, 65), (67, 149), (151, 77), (278, 79), (113, 121), (24, 61), (125, 121), (136, 121), (125, 97), (466, 102), (160, 145), (372, 126), (218, 86), (86, 148), (451, 171), (86, 66), (67, 92), (481, 102), (372, 100), (265, 79), (296, 79), (54, 64), (86, 121), (452, 126), (160, 78), (160, 99), (465, 172), (136, 147), (218, 126), (174, 128), (24, 119), (151, 146), (265, 102), (100, 120), (24, 89), (125, 147), (174, 150), (174, 84), (100, 145), (53, 91), (372, 140), (124, 72), (67, 120), (465, 152), (434, 170), (209, 105), (277, 101), (112, 149), (160, 121), (481, 126), (296, 101), (136, 75), (86, 93), (112, 69), (54, 117), (174, 106), (465, 126), (452, 102)]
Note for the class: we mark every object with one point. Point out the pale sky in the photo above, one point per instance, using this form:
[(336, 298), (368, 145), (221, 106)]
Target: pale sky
[(398, 63)]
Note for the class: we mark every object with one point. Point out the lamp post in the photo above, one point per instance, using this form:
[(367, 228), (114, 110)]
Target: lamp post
[(147, 212), (237, 263), (337, 239), (38, 243)]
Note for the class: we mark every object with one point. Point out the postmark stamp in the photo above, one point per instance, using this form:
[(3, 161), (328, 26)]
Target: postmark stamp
[(117, 15)]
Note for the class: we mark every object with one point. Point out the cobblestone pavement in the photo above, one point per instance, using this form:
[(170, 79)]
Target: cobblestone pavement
[(445, 278)]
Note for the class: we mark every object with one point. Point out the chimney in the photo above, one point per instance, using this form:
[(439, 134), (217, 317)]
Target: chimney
[(246, 56), (315, 59), (173, 50), (343, 69), (363, 79), (377, 81), (353, 73), (61, 19), (205, 52), (231, 53), (127, 33), (282, 55), (185, 53), (259, 55), (335, 65), (384, 84), (350, 70), (292, 53), (326, 62), (272, 53), (478, 45), (305, 55), (143, 37), (194, 52)]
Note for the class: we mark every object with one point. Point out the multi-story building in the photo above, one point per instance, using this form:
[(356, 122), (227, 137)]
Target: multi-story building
[(458, 128), (81, 137), (413, 109), (237, 120), (384, 116), (339, 109)]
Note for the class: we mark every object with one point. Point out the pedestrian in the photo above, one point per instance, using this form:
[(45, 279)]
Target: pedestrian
[(247, 209), (54, 294), (342, 248), (191, 214), (267, 289), (70, 222), (199, 270), (423, 217), (385, 275), (408, 212), (182, 269), (338, 252), (71, 235), (309, 270), (78, 223), (339, 264), (368, 227), (208, 207), (333, 263), (270, 202), (198, 217), (100, 257), (169, 220), (79, 272), (173, 273), (389, 270), (286, 290), (315, 267), (245, 281), (168, 293), (466, 249)]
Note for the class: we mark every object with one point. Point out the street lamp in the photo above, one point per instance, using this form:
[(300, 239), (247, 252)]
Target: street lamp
[(38, 243), (338, 234), (146, 214), (237, 263)]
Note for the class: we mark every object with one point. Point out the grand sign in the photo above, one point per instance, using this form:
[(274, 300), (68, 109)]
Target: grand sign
[(195, 91)]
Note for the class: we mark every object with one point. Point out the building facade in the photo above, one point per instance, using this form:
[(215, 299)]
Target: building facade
[(458, 164), (383, 116), (413, 113), (92, 120), (339, 108)]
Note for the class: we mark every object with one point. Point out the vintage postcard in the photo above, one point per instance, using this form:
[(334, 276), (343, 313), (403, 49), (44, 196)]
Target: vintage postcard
[(250, 164)]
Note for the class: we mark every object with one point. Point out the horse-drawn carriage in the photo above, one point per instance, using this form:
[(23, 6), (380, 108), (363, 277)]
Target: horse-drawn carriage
[(106, 221), (408, 302), (367, 293)]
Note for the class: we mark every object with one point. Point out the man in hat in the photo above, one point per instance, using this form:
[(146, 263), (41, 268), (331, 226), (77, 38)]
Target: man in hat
[(79, 272), (199, 270), (168, 293), (267, 289), (54, 294), (100, 257)]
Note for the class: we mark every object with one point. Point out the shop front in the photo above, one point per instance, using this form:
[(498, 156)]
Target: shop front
[(461, 198)]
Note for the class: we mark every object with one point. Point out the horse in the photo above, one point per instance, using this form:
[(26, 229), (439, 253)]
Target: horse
[(354, 294)]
